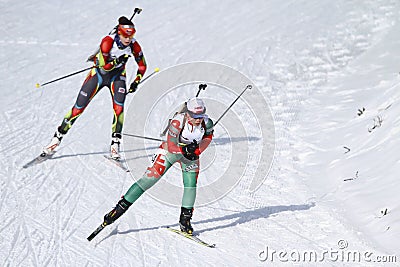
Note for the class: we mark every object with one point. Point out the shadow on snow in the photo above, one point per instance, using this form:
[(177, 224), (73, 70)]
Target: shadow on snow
[(240, 218)]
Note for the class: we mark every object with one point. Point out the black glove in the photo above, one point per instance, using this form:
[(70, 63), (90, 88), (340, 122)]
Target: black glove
[(188, 150), (133, 86), (121, 59)]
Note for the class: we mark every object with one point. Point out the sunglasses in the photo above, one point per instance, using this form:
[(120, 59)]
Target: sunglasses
[(126, 30), (196, 116)]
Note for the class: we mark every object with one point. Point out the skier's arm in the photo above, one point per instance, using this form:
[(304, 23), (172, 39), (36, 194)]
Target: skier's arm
[(203, 144), (174, 130), (207, 137), (103, 57), (140, 60)]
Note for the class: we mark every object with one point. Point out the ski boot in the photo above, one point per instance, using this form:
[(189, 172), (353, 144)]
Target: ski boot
[(54, 143), (184, 220), (116, 212), (114, 149)]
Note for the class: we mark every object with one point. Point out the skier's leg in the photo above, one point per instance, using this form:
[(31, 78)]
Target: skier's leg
[(190, 173), (117, 90), (150, 177), (89, 89), (153, 174)]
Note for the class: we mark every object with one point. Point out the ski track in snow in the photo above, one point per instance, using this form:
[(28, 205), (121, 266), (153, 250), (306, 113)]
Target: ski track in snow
[(49, 209)]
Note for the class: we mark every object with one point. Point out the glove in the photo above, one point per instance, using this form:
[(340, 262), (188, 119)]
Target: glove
[(189, 151), (133, 86), (121, 60)]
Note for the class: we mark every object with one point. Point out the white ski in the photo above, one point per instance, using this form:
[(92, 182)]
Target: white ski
[(120, 163), (39, 159), (191, 237)]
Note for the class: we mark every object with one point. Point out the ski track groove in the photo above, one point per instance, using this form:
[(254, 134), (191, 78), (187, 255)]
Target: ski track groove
[(8, 125), (4, 191), (10, 184), (7, 222), (27, 234), (86, 254), (73, 230), (13, 242), (112, 248), (53, 250), (71, 206), (114, 239), (94, 211), (76, 193), (141, 244), (23, 226)]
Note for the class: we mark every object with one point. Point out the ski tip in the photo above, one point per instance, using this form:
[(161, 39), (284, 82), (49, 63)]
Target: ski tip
[(95, 232), (156, 69), (37, 85)]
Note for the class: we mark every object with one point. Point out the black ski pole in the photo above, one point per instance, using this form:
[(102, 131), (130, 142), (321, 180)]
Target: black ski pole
[(143, 137), (63, 77), (201, 87), (223, 114)]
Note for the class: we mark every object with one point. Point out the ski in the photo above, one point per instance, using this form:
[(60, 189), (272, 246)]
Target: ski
[(191, 237), (39, 159), (97, 231), (118, 162)]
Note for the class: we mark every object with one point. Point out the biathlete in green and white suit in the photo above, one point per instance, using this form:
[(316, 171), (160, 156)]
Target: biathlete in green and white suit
[(189, 134)]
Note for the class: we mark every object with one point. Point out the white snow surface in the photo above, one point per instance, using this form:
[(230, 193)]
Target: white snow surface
[(316, 62)]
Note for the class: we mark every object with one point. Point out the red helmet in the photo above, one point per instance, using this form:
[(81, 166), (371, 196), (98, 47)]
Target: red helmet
[(126, 30)]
